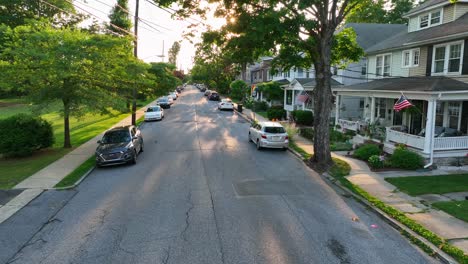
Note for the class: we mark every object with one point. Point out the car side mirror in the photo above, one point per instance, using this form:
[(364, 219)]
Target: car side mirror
[(135, 137), (99, 142)]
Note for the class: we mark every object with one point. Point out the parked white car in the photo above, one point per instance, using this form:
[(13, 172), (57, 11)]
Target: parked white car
[(226, 104), (154, 113), (169, 98), (172, 95), (269, 135)]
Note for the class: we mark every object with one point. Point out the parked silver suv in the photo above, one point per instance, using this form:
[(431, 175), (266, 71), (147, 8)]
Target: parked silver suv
[(269, 135)]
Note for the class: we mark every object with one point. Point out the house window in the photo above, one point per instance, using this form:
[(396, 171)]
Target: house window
[(439, 121), (382, 107), (364, 70), (448, 58), (289, 96), (307, 74), (431, 19), (300, 72), (378, 65), (287, 74), (386, 70), (411, 58), (454, 114), (361, 103)]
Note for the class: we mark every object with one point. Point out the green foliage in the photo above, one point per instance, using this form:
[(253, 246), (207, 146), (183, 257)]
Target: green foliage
[(307, 132), (166, 81), (375, 162), (406, 159), (173, 53), (271, 91), (375, 11), (23, 134), (303, 117), (341, 146), (276, 112), (77, 173), (337, 136), (459, 209), (340, 168), (364, 152), (434, 184), (120, 22), (259, 106), (238, 89)]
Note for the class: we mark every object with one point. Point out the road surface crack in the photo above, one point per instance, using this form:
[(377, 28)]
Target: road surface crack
[(167, 255), (187, 216)]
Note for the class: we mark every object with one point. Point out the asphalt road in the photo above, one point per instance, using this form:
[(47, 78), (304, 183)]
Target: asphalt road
[(200, 193)]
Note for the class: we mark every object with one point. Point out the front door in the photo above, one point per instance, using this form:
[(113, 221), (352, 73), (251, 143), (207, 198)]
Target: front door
[(464, 118)]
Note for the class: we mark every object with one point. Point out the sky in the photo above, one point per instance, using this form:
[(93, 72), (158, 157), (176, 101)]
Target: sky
[(157, 26)]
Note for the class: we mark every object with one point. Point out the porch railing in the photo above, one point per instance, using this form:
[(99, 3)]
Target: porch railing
[(396, 136), (349, 125), (449, 143)]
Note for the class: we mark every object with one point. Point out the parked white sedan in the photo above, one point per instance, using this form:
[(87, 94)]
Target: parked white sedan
[(226, 104), (269, 135), (154, 113)]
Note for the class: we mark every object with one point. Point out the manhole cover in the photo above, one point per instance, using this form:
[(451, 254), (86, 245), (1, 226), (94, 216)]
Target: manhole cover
[(264, 187)]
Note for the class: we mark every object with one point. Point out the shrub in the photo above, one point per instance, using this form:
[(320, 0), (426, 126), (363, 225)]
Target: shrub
[(341, 146), (307, 133), (364, 152), (303, 117), (276, 112), (406, 159), (336, 136), (23, 134), (259, 106), (375, 162), (238, 89)]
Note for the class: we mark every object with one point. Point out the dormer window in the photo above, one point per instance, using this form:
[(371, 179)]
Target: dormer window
[(430, 19)]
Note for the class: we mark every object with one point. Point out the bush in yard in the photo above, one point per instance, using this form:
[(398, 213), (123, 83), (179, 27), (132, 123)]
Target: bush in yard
[(276, 112), (364, 152), (341, 146), (307, 133), (375, 162), (336, 136), (238, 89), (259, 106), (406, 159), (303, 117), (23, 134)]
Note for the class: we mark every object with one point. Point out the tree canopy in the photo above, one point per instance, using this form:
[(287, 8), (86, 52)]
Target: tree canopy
[(375, 11), (174, 52), (120, 22)]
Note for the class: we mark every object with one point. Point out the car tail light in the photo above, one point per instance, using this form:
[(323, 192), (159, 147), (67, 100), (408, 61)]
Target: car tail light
[(264, 136), (286, 137)]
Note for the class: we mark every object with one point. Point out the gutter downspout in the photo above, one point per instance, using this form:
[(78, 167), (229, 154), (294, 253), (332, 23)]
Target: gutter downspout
[(431, 152)]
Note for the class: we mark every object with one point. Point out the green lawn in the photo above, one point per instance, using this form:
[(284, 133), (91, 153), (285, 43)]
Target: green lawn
[(431, 184), (458, 209), (264, 114), (13, 171), (74, 176)]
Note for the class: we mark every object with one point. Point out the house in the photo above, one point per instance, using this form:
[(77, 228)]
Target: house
[(428, 63), (367, 35)]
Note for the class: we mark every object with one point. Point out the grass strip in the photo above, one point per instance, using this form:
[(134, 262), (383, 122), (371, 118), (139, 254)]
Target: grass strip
[(458, 209), (417, 185), (342, 169), (75, 175)]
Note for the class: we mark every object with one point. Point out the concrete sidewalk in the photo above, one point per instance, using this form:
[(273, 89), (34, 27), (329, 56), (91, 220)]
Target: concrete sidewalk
[(49, 176), (439, 222)]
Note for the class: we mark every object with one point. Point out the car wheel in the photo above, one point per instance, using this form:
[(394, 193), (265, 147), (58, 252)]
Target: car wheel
[(141, 147), (284, 149), (250, 139), (258, 145), (134, 160)]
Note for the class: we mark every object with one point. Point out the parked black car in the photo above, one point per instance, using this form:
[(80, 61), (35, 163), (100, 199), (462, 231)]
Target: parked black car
[(202, 89), (119, 145), (164, 102), (214, 96)]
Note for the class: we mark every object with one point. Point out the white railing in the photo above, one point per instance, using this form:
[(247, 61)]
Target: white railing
[(404, 138), (349, 125), (449, 143)]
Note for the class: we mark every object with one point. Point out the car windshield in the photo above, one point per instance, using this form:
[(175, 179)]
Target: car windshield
[(162, 100), (153, 109), (274, 130), (116, 136)]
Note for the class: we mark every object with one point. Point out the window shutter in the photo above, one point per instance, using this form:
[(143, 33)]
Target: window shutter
[(465, 58), (429, 60)]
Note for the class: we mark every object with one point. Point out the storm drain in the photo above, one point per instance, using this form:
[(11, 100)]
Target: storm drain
[(265, 187)]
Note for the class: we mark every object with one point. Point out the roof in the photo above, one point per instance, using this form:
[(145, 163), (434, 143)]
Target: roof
[(430, 35), (425, 5), (369, 34), (411, 84), (270, 124), (310, 82), (282, 81)]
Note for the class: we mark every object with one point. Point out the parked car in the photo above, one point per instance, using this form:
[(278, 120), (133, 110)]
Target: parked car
[(154, 113), (214, 96), (164, 102), (202, 89), (119, 145), (269, 135), (172, 95), (207, 92), (179, 89), (226, 104)]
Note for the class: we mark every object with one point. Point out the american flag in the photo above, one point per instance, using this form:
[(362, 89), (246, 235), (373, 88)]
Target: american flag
[(303, 97), (402, 103)]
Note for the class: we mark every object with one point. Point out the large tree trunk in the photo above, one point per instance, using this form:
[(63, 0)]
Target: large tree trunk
[(66, 124), (322, 106)]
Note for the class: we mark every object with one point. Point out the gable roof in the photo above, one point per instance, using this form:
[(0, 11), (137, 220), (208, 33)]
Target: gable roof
[(369, 34), (310, 82), (418, 84), (448, 31), (425, 5)]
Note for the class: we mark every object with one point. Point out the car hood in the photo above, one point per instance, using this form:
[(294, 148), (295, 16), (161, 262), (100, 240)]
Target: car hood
[(110, 148)]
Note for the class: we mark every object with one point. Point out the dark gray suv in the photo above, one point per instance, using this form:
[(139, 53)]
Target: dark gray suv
[(119, 145)]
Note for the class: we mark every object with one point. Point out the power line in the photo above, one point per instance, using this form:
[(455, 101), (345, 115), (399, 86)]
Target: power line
[(199, 21)]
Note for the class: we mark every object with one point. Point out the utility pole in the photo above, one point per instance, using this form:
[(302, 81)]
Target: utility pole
[(135, 53)]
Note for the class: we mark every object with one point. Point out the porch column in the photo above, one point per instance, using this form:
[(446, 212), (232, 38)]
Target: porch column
[(372, 110), (430, 123), (285, 93), (337, 108)]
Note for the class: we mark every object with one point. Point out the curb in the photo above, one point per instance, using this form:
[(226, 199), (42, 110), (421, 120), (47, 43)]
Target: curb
[(76, 183)]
